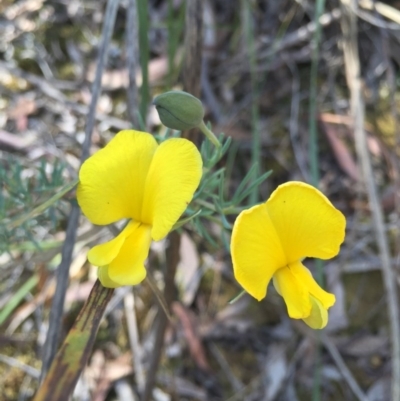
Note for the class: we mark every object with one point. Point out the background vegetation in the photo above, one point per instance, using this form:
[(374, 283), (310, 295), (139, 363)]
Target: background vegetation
[(306, 89)]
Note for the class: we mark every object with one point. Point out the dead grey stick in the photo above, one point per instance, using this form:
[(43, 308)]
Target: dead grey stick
[(344, 370), (133, 334), (57, 307), (191, 70), (132, 56), (171, 264), (352, 64)]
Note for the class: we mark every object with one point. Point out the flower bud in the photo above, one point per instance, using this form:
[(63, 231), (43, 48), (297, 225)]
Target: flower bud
[(179, 110)]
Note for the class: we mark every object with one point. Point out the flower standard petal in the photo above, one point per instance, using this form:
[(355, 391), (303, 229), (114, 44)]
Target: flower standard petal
[(174, 175), (306, 222), (128, 266), (294, 293), (112, 181), (256, 250)]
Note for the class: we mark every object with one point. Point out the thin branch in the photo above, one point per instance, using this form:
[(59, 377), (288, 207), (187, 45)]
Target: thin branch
[(172, 260), (132, 56), (129, 304), (15, 363), (42, 207), (108, 28), (299, 153), (352, 64), (144, 57), (321, 337), (57, 307), (193, 56), (344, 370)]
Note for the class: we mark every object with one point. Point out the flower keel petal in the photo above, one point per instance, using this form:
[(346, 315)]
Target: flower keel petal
[(103, 254), (293, 292), (318, 318), (304, 276), (128, 267), (104, 278)]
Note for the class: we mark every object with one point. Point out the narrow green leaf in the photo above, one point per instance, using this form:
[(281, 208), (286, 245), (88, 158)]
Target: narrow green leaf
[(182, 222), (248, 177), (41, 208), (232, 301), (18, 297), (72, 357), (255, 183)]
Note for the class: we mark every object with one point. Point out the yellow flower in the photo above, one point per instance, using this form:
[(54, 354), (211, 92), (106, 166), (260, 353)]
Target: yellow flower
[(135, 178), (269, 241)]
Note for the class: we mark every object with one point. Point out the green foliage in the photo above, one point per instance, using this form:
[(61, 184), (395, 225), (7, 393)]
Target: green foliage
[(16, 298), (209, 202), (23, 187), (30, 197)]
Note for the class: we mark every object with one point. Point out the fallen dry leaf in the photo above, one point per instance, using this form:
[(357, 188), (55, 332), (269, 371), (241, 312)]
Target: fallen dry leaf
[(194, 343), (341, 152)]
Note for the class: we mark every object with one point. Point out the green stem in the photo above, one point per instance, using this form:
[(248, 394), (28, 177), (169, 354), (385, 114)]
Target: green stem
[(18, 297), (209, 134), (41, 208), (225, 211), (159, 295), (240, 295)]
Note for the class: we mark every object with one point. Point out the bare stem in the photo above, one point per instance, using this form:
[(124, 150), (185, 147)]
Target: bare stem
[(352, 64)]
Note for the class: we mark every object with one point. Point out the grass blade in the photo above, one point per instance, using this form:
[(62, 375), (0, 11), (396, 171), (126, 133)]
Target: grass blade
[(17, 298)]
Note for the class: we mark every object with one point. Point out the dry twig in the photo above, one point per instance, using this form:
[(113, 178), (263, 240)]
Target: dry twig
[(352, 64), (335, 354), (172, 260), (129, 303), (57, 307), (132, 58)]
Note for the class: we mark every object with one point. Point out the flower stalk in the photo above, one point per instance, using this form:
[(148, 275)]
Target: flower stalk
[(209, 134)]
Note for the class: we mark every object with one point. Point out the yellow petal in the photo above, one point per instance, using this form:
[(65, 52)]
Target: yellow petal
[(318, 318), (306, 222), (128, 266), (256, 250), (174, 175), (294, 293), (103, 254), (112, 181), (304, 276), (104, 278)]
